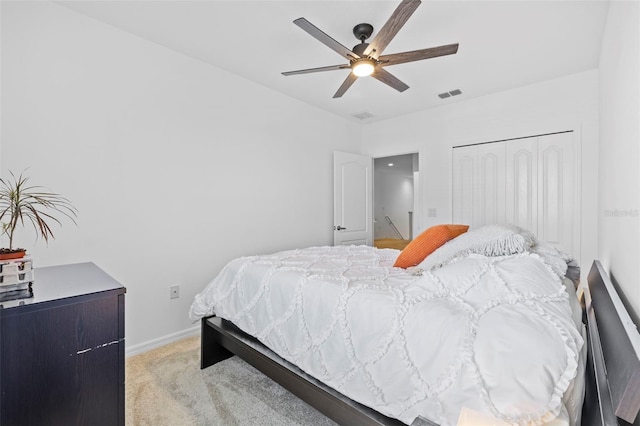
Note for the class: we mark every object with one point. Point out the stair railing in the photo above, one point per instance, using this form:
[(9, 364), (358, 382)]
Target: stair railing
[(394, 227)]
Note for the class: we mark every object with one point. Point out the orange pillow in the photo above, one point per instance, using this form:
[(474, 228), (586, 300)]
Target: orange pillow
[(426, 243)]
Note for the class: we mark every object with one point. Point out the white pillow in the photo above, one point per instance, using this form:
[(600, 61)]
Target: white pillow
[(489, 240)]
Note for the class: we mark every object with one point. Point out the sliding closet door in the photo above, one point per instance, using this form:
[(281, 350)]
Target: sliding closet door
[(557, 191), (478, 184), (530, 182), (490, 176), (522, 183), (464, 162)]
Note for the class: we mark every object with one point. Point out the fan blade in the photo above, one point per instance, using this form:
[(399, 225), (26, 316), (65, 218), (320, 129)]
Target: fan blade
[(351, 78), (417, 55), (319, 69), (324, 38), (389, 79), (397, 20)]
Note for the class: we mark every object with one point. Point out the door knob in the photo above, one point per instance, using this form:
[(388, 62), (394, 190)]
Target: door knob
[(339, 228)]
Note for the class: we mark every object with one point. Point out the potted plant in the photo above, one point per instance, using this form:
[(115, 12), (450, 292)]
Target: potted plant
[(22, 203)]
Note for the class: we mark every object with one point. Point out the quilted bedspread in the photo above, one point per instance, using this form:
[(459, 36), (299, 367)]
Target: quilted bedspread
[(490, 334)]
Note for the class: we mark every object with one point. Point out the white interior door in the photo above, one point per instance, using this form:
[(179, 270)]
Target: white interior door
[(490, 178), (522, 183), (478, 184), (352, 199), (532, 182), (557, 213), (464, 161)]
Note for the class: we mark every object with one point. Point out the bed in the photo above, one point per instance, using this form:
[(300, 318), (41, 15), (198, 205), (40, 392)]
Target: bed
[(454, 284)]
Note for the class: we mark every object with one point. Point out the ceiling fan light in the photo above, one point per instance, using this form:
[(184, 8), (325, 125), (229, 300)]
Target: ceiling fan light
[(362, 67)]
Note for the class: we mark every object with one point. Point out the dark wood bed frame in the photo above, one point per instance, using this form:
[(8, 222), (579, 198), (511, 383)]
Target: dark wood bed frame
[(612, 394)]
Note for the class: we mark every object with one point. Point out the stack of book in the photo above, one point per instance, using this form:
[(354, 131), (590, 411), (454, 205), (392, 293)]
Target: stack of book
[(16, 279)]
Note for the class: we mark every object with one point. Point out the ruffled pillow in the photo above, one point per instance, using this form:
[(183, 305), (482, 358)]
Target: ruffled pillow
[(425, 243), (489, 240)]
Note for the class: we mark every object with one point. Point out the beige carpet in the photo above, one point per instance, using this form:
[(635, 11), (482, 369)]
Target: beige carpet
[(165, 386)]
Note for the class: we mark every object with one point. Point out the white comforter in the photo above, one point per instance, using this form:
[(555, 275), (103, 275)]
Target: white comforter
[(489, 334)]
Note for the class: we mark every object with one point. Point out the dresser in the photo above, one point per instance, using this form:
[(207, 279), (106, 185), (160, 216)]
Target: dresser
[(62, 351)]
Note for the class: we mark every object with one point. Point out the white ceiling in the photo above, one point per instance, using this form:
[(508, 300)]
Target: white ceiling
[(397, 164), (503, 44)]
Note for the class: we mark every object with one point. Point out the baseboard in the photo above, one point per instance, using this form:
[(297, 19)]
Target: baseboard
[(161, 341)]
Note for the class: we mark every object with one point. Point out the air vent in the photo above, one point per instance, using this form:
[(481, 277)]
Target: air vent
[(445, 95), (362, 115)]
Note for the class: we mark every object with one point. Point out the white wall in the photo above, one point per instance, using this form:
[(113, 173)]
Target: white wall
[(562, 104), (175, 166), (619, 154), (394, 198)]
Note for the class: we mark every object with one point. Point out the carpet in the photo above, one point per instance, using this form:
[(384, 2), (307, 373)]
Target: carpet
[(165, 386)]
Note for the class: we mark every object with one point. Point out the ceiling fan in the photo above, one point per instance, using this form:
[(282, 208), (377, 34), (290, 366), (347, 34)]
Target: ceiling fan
[(366, 58)]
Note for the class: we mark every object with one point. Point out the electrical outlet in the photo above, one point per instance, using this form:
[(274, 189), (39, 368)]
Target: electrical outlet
[(174, 291), (432, 212)]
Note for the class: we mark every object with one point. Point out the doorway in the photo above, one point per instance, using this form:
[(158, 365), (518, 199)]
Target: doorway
[(395, 183)]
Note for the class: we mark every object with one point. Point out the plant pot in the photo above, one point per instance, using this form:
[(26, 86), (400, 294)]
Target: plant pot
[(6, 254)]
